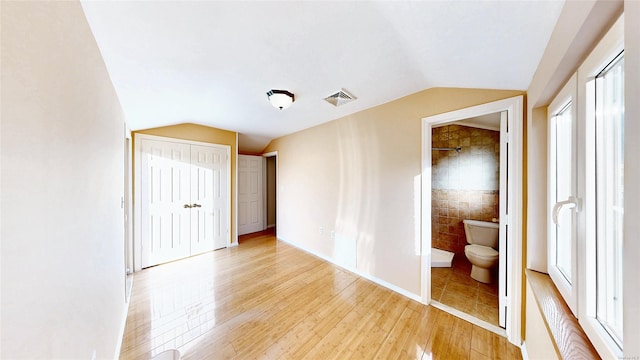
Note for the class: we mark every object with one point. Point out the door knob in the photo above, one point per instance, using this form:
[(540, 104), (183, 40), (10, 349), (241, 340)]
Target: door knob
[(187, 206)]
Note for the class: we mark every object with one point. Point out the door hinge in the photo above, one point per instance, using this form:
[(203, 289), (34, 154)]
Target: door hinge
[(507, 137)]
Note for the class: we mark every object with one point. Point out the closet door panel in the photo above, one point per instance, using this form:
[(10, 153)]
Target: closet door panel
[(165, 177), (209, 188)]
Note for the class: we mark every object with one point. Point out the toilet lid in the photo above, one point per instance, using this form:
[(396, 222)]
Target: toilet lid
[(482, 251)]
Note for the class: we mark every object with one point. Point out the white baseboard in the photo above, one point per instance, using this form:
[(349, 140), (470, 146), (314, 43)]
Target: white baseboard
[(234, 241), (124, 321), (370, 277), (388, 285), (523, 350)]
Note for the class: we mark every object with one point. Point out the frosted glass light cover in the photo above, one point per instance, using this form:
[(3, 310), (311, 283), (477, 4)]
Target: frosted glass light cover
[(280, 99)]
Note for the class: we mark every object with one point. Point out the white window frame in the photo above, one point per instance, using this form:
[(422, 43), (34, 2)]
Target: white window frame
[(608, 49), (567, 97), (610, 234), (581, 293)]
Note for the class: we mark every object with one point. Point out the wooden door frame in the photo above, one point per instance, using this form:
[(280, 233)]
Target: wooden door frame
[(514, 108), (137, 209)]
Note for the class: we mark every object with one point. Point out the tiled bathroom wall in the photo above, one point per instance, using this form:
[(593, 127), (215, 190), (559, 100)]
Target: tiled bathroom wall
[(465, 185)]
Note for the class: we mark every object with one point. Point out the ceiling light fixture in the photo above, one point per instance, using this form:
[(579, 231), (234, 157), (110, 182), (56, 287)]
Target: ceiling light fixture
[(280, 99)]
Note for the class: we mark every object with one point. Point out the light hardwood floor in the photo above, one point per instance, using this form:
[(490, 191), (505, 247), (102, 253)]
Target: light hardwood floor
[(268, 300)]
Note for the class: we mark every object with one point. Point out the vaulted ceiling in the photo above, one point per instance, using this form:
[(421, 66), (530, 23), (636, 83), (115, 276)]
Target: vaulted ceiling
[(211, 63)]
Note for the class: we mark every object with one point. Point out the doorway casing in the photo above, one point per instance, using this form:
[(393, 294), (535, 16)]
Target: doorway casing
[(511, 224), (271, 154)]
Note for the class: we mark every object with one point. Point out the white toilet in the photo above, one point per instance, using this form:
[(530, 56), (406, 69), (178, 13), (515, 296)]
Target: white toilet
[(482, 252)]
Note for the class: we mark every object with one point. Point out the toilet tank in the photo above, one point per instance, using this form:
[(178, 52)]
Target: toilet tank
[(482, 233)]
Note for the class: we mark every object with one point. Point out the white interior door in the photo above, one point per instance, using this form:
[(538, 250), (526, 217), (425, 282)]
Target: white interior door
[(250, 208), (165, 190), (504, 220), (209, 223)]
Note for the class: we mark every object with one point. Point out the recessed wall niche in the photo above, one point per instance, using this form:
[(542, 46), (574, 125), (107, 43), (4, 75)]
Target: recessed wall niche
[(465, 184)]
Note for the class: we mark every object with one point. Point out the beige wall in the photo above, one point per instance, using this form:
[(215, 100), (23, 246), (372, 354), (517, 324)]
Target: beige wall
[(360, 177), (581, 25), (206, 134), (62, 180)]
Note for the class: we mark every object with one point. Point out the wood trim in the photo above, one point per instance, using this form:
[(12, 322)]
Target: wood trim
[(569, 339)]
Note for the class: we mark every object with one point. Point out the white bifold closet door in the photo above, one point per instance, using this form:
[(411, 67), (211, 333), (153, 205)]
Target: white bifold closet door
[(184, 199)]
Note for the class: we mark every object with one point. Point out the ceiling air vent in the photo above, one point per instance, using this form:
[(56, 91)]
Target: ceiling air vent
[(340, 98)]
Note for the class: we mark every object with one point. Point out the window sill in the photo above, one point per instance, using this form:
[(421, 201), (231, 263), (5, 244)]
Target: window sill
[(568, 337)]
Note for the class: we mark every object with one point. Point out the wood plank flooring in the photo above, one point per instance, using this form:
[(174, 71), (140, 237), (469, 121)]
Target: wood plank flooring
[(268, 300)]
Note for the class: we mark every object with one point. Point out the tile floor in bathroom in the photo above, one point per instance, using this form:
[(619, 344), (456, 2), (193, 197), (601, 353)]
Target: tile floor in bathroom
[(454, 287)]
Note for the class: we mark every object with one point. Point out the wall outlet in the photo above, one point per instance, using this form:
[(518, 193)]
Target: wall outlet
[(333, 234), (321, 230)]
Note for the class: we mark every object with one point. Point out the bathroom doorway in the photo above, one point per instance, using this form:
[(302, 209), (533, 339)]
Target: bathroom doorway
[(465, 185), (472, 170)]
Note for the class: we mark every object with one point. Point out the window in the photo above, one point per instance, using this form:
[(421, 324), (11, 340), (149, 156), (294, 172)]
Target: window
[(562, 193), (609, 155), (586, 193)]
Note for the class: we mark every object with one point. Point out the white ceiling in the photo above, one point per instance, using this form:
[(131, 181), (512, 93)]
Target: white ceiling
[(212, 63)]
